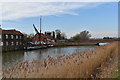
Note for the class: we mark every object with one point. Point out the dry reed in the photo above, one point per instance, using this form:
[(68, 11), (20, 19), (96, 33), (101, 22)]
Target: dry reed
[(77, 65)]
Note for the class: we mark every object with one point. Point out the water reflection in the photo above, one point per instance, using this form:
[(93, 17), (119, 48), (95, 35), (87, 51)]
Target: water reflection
[(10, 58)]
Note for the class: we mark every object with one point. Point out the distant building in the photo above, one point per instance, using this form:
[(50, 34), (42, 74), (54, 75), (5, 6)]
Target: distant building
[(11, 40), (44, 38), (37, 38)]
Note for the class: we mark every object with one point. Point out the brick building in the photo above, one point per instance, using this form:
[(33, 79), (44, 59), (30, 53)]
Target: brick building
[(37, 38), (12, 40), (44, 38)]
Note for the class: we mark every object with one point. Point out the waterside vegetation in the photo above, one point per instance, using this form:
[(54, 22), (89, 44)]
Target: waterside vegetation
[(84, 64)]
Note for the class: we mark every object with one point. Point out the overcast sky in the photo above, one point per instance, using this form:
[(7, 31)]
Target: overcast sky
[(99, 18)]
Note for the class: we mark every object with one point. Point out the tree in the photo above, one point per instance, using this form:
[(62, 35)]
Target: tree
[(84, 35), (76, 37), (63, 36), (53, 34), (28, 37), (108, 38), (31, 35), (58, 34)]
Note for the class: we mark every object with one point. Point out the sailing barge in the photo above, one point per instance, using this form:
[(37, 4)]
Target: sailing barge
[(40, 40)]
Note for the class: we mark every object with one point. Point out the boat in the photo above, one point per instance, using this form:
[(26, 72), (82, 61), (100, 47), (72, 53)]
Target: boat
[(102, 44), (38, 44), (35, 47)]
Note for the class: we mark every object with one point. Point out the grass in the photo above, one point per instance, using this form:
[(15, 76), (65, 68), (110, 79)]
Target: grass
[(116, 73), (63, 44), (77, 65)]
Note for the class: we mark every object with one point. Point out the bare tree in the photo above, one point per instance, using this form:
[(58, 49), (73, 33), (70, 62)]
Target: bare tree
[(84, 35), (28, 37), (63, 36)]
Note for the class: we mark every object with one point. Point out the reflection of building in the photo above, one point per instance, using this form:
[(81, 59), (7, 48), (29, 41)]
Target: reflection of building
[(11, 40)]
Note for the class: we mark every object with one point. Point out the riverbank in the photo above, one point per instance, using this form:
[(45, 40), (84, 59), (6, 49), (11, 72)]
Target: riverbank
[(77, 65), (57, 44), (63, 44)]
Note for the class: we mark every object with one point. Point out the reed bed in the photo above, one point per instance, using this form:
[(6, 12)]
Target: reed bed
[(77, 65)]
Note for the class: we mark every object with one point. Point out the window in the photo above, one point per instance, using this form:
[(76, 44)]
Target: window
[(11, 36), (1, 44), (6, 43), (12, 43), (16, 43), (16, 36), (6, 36), (20, 43), (20, 37)]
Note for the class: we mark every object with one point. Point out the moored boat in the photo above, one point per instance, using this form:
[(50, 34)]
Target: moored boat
[(35, 47)]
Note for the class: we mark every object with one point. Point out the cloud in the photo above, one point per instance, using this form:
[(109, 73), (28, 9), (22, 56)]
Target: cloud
[(58, 0), (18, 10), (13, 10)]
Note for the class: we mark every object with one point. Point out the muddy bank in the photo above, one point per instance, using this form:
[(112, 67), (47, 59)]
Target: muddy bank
[(77, 65)]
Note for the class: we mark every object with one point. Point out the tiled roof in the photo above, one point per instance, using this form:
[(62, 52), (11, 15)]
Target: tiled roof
[(12, 31), (39, 34)]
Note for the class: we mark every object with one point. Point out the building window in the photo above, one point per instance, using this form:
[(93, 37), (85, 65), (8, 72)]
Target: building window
[(20, 37), (12, 43), (11, 36), (16, 36), (16, 43), (20, 43), (6, 43), (1, 44), (6, 36)]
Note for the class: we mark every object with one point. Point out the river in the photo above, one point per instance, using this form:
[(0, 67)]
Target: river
[(11, 58)]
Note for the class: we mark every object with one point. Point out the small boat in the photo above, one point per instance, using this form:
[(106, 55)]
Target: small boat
[(102, 44)]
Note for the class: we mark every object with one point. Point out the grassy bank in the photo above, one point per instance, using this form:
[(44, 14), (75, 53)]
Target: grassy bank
[(63, 44), (77, 65)]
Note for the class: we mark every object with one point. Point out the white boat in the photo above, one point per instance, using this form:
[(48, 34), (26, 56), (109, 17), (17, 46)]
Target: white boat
[(102, 44)]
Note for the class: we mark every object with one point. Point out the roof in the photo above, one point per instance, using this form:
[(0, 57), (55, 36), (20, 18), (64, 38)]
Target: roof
[(11, 31), (39, 34)]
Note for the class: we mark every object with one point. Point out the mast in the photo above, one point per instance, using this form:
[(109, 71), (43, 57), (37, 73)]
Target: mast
[(40, 28)]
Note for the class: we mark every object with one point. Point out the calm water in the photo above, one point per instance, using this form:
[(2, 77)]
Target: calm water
[(10, 58)]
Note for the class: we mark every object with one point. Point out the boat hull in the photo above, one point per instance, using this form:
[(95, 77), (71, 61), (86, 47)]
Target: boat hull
[(35, 47)]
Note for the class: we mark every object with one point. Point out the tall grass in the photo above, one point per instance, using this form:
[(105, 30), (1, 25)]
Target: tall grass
[(77, 65)]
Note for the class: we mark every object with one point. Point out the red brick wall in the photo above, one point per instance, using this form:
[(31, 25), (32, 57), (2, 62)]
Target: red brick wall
[(37, 38)]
